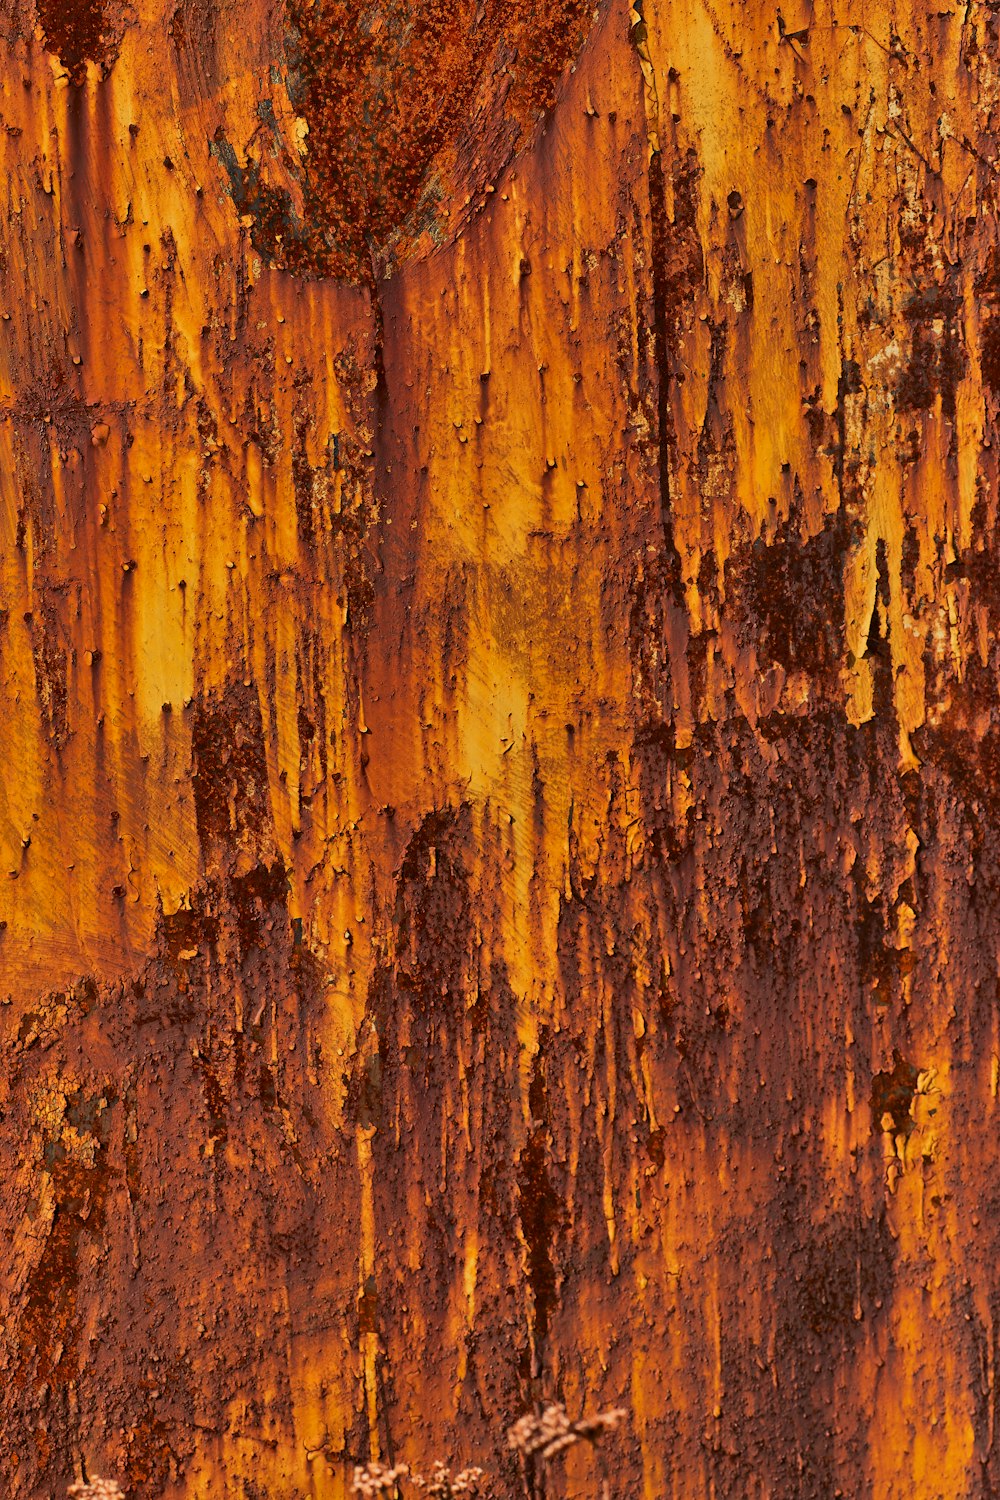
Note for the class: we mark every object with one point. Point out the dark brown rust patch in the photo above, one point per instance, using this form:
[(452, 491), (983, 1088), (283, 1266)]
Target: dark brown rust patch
[(82, 31), (792, 592), (540, 1214), (79, 1179), (396, 98), (229, 777), (990, 355), (828, 1286), (182, 930), (277, 232), (893, 1092), (433, 911), (215, 1099), (677, 274), (936, 359), (50, 660), (845, 1269), (256, 900), (878, 960)]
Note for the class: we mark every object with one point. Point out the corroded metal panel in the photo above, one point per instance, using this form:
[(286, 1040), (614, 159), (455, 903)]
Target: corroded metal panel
[(499, 744)]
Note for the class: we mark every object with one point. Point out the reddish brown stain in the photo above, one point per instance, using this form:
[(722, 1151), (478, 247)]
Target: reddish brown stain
[(406, 110), (498, 696), (82, 31)]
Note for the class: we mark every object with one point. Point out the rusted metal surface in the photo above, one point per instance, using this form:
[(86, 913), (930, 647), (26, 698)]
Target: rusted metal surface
[(498, 899)]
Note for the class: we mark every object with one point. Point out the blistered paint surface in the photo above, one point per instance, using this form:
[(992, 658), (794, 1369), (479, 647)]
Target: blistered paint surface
[(498, 716)]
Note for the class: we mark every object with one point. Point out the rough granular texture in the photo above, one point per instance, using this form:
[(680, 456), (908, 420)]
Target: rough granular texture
[(500, 791), (407, 114), (82, 31), (413, 106)]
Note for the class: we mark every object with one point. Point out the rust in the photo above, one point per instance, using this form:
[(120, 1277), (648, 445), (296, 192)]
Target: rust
[(82, 31), (501, 761), (396, 107)]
